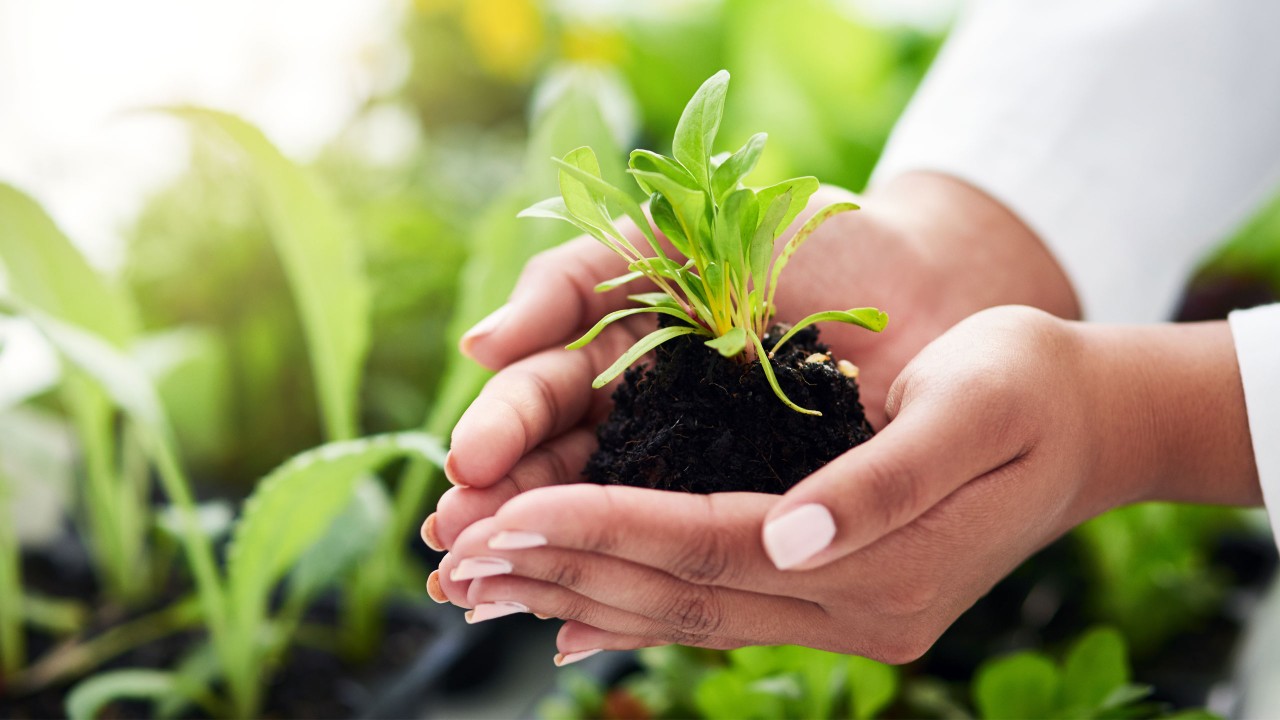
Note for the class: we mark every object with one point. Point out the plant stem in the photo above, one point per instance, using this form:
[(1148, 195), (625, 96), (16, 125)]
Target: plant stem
[(76, 659), (13, 651)]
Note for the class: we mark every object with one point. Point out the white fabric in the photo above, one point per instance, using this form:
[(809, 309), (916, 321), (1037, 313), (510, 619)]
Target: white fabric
[(1130, 135), (1257, 338)]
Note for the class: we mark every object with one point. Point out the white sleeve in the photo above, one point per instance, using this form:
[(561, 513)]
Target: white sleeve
[(1129, 135), (1257, 337)]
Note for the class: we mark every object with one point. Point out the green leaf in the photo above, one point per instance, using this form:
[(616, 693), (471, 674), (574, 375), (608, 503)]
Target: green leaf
[(773, 379), (766, 234), (582, 201), (654, 299), (350, 537), (615, 283), (652, 162), (800, 189), (869, 318), (735, 224), (689, 206), (290, 510), (872, 686), (737, 166), (731, 343), (89, 697), (798, 239), (48, 273), (1019, 686), (322, 258), (698, 125), (664, 216), (639, 350), (1096, 666), (617, 315), (607, 191)]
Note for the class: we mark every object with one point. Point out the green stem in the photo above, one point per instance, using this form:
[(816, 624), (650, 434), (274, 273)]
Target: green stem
[(93, 419), (74, 660), (13, 652)]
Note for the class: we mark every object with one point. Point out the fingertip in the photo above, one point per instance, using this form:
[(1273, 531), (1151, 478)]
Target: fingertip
[(451, 472), (428, 533), (477, 342)]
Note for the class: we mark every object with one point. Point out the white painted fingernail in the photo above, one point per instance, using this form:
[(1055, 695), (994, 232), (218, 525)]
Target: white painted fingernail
[(799, 535), (491, 610), (561, 659), (487, 326), (516, 540), (473, 568)]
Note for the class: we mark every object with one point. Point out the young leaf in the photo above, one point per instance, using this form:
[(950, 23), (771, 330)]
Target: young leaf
[(586, 203), (637, 351), (654, 299), (322, 258), (731, 343), (869, 318), (617, 315), (798, 239), (737, 166), (646, 161), (872, 686), (767, 366), (801, 189), (664, 216), (698, 125), (350, 537), (1096, 666), (86, 699), (761, 251), (689, 205), (619, 198), (1024, 685), (615, 283)]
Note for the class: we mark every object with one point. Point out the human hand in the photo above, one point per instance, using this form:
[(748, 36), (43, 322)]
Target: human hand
[(928, 249), (1006, 432)]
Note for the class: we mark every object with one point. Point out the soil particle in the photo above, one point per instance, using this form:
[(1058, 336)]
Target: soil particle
[(698, 422)]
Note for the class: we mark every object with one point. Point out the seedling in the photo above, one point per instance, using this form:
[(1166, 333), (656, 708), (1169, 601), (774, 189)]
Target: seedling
[(724, 281)]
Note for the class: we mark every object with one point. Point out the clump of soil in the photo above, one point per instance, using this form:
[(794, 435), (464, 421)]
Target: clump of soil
[(698, 422)]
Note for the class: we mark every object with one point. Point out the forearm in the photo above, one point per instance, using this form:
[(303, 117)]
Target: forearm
[(1170, 413)]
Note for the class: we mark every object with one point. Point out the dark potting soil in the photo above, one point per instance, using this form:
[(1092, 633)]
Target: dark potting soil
[(698, 422)]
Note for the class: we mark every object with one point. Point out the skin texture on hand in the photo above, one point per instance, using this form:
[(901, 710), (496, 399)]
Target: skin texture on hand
[(1007, 431)]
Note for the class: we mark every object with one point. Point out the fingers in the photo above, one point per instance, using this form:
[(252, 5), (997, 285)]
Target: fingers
[(524, 405), (579, 641), (932, 447), (554, 298), (553, 463), (703, 539)]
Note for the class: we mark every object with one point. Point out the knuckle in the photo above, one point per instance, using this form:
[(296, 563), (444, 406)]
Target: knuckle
[(694, 611), (894, 484), (908, 599), (904, 649), (541, 467), (705, 561), (566, 574)]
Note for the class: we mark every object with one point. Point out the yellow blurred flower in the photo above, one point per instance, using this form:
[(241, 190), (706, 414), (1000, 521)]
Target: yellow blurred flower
[(506, 35)]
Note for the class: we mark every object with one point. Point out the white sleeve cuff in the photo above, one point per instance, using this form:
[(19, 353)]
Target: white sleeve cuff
[(1257, 338)]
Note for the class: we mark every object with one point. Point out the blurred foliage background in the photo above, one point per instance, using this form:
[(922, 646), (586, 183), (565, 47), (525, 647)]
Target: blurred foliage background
[(493, 87)]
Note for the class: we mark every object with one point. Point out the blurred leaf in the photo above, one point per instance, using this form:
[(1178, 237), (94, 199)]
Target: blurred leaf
[(349, 538), (1096, 666), (1019, 686), (322, 259), (90, 696), (294, 505), (872, 686)]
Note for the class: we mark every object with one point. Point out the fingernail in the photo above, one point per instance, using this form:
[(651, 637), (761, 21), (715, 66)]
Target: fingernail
[(491, 610), (434, 591), (540, 616), (516, 540), (798, 535), (451, 470), (429, 534), (473, 568), (485, 327), (561, 659)]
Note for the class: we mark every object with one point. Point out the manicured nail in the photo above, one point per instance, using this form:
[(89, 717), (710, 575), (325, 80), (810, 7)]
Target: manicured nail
[(798, 535), (516, 540), (483, 328), (561, 659), (473, 568), (451, 470), (429, 534), (540, 616), (434, 591), (491, 610)]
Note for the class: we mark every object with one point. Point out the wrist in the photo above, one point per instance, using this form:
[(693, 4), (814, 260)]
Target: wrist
[(984, 254), (1170, 413)]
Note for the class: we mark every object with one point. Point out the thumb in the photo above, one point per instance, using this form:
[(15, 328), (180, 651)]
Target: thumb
[(929, 450)]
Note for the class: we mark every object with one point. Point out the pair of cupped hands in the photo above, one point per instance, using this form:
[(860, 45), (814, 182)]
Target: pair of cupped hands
[(1001, 426)]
